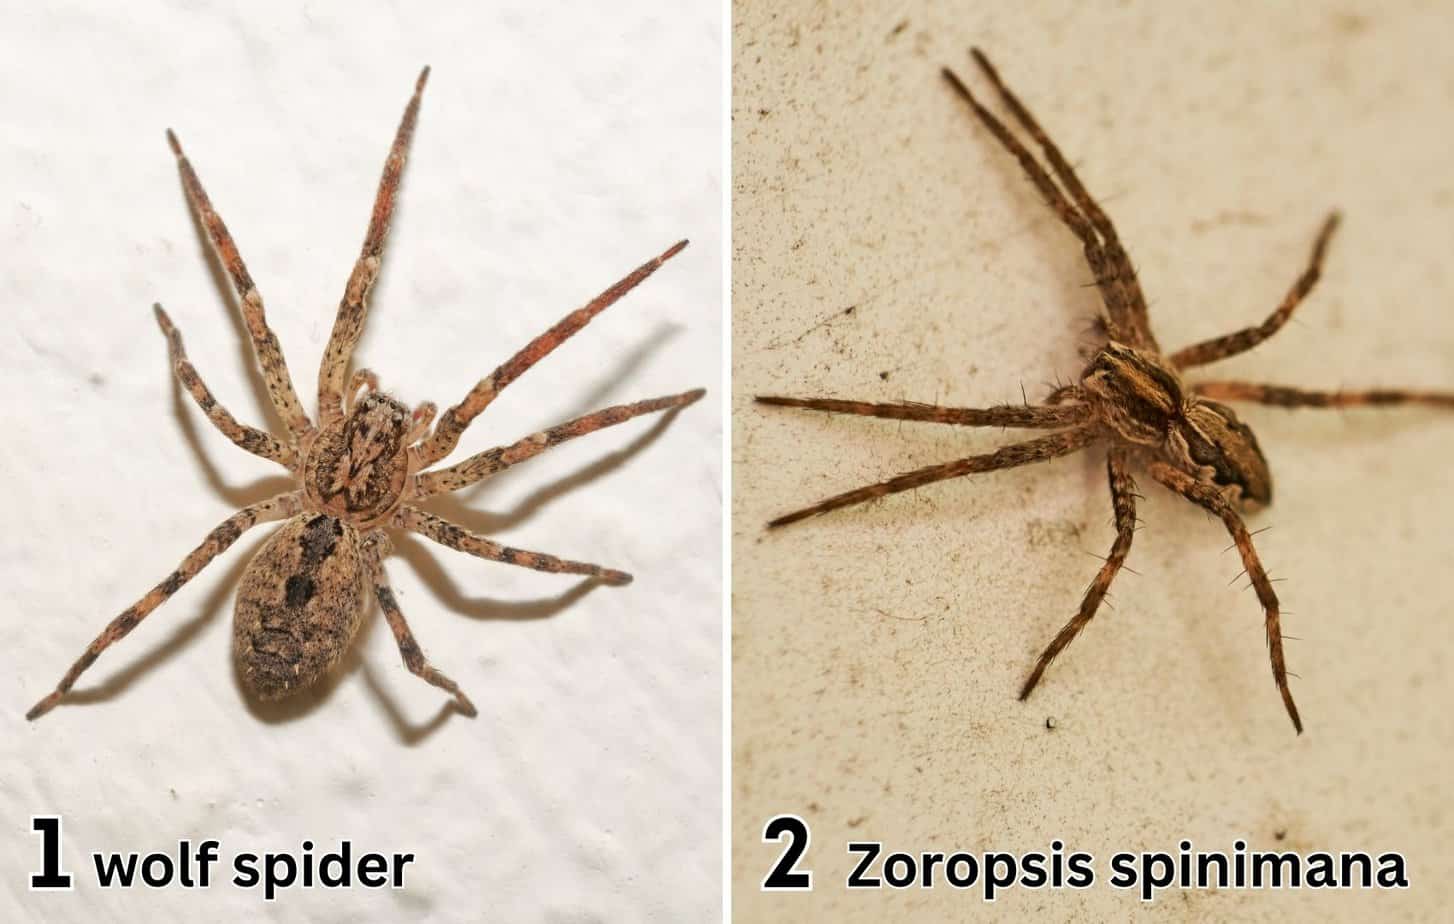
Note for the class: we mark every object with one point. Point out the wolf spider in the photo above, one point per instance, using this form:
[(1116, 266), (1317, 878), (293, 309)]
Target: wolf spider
[(1130, 398), (361, 469)]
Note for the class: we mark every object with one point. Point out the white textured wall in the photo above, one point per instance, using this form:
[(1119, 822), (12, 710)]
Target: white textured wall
[(555, 151)]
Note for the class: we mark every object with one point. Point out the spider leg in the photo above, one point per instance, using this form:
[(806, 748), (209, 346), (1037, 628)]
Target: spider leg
[(1209, 351), (353, 308), (1065, 393), (452, 423), (1004, 415), (264, 341), (217, 541), (1128, 306), (1057, 444), (1207, 496), (1283, 396), (258, 442), (446, 533), (375, 546), (1123, 498), (482, 465)]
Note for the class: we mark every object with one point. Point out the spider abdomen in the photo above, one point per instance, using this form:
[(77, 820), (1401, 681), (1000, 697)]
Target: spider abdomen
[(298, 606), (1211, 443)]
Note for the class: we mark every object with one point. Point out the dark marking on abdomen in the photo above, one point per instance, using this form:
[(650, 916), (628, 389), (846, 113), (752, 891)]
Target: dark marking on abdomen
[(299, 590)]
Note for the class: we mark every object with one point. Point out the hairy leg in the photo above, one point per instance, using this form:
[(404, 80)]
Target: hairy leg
[(353, 308), (360, 383), (264, 341), (1128, 309), (446, 533), (482, 465), (1062, 443), (258, 442), (1123, 499), (1064, 393), (1106, 273), (452, 423), (1207, 496), (1209, 351), (1004, 415), (1283, 396), (217, 541), (375, 546)]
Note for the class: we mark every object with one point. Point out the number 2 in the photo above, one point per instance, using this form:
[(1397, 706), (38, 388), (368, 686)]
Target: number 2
[(783, 877)]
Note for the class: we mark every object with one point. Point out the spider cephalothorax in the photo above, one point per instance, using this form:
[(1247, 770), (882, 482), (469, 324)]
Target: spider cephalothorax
[(1140, 397), (1131, 399), (357, 467), (362, 467)]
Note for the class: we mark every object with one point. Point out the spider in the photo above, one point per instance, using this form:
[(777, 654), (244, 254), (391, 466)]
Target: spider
[(1130, 398), (360, 469)]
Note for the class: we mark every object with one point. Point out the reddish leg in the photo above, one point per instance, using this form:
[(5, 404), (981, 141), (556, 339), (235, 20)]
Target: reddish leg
[(1123, 499), (1062, 443), (353, 309), (452, 423), (482, 465), (217, 541), (1206, 495)]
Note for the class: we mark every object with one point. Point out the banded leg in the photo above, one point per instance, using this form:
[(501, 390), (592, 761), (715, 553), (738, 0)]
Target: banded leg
[(413, 655), (1095, 255), (1209, 351), (1207, 496), (482, 465), (217, 541), (1128, 309), (452, 423), (1062, 443), (353, 308), (1123, 500), (446, 533), (264, 341), (1003, 415), (1283, 396), (258, 442)]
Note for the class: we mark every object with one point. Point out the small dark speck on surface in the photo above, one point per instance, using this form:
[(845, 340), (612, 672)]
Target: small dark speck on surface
[(1280, 834), (1050, 723), (899, 29), (883, 376), (855, 822), (96, 379)]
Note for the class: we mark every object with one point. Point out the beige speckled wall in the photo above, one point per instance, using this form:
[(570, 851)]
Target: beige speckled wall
[(886, 249)]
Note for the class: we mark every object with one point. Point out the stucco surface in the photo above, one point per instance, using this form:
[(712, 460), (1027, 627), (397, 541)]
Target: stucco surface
[(555, 151), (886, 248)]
